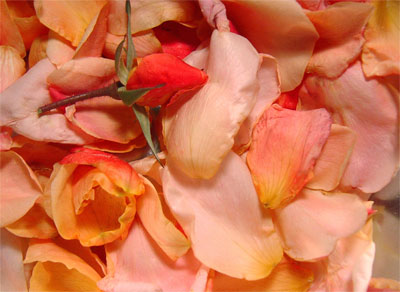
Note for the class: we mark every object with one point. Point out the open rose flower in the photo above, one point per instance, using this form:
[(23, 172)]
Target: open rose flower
[(93, 197)]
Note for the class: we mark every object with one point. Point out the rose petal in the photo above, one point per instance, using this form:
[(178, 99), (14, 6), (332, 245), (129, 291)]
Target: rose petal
[(224, 220), (6, 140), (37, 51), (368, 107), (320, 221), (59, 50), (284, 148), (12, 66), (30, 28), (215, 14), (382, 284), (199, 133), (9, 33), (113, 147), (288, 36)]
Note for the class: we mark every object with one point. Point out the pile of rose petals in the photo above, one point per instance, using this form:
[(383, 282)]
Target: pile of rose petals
[(277, 122)]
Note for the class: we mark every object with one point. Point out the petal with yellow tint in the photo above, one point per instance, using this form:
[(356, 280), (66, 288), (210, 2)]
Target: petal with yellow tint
[(19, 187), (12, 66), (321, 220), (382, 284), (30, 28), (289, 37), (9, 33), (333, 160), (69, 19), (38, 50), (340, 27), (199, 132), (59, 50), (139, 264), (115, 147), (287, 276), (223, 219), (169, 238), (369, 108), (285, 146), (381, 52)]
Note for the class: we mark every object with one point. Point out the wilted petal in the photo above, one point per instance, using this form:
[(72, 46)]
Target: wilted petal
[(288, 36), (368, 107), (12, 66), (285, 146), (200, 132), (137, 264), (320, 221), (333, 160), (69, 19), (19, 187), (340, 28), (38, 50), (381, 52), (9, 33), (224, 220), (59, 50)]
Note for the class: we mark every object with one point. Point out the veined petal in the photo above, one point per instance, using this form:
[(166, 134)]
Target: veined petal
[(285, 146), (288, 36), (9, 33), (321, 220), (224, 220), (37, 51), (200, 132), (12, 66)]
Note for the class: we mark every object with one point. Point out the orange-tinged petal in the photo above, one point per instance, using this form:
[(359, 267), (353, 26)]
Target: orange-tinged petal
[(30, 28), (369, 108), (333, 160), (69, 19), (59, 50), (9, 33), (321, 220), (12, 66), (19, 187), (382, 284), (6, 140), (288, 36), (37, 51), (149, 166), (221, 228), (200, 132), (115, 147), (381, 52), (285, 146), (340, 28)]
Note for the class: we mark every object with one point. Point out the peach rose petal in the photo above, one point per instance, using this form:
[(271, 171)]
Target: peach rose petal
[(200, 132), (12, 66), (114, 147), (284, 149), (9, 33), (333, 160), (289, 37), (321, 220), (138, 264), (30, 28), (340, 27), (19, 187), (6, 140), (368, 107), (70, 20), (59, 50), (381, 52), (38, 50), (221, 228), (382, 285)]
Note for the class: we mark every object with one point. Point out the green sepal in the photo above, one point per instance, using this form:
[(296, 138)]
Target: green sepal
[(120, 67), (131, 53), (144, 121)]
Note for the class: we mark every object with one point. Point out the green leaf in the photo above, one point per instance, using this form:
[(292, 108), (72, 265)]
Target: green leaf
[(120, 68), (144, 121), (131, 54), (129, 97)]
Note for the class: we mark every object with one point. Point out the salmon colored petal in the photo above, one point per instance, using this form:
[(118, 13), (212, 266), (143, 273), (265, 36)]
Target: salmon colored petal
[(9, 33), (340, 27), (105, 118), (287, 276), (6, 140), (149, 166), (12, 66), (138, 264), (381, 52), (30, 28), (162, 230), (200, 132), (68, 19), (11, 262), (37, 51), (19, 187), (368, 107), (333, 160), (285, 146), (92, 42), (382, 284), (59, 50), (221, 228), (289, 36), (114, 147), (215, 14), (321, 220)]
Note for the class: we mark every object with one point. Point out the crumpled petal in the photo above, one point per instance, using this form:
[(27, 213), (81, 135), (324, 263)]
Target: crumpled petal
[(137, 264), (277, 28), (9, 33), (69, 19), (320, 220), (19, 187), (200, 132), (368, 107), (285, 146), (340, 27), (37, 51), (215, 14), (224, 220), (381, 52), (12, 66), (333, 159)]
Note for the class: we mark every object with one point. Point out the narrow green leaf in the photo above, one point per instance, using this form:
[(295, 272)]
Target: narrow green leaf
[(131, 54), (144, 121), (129, 97), (120, 68)]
